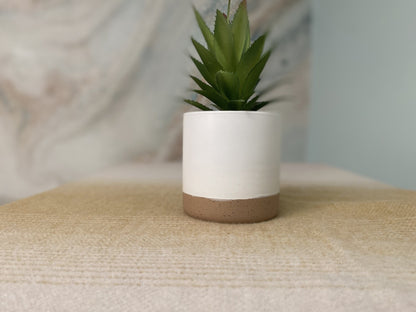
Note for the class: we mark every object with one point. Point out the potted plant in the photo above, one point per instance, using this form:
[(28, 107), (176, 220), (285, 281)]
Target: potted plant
[(230, 150)]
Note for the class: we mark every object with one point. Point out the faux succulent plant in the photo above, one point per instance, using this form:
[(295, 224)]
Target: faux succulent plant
[(230, 64)]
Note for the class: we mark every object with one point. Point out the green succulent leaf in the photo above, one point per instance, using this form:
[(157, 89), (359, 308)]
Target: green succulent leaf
[(253, 99), (210, 78), (208, 35), (241, 31), (230, 65), (259, 105), (224, 42), (253, 77), (200, 83), (210, 93), (198, 105), (236, 105), (218, 100), (207, 58), (250, 103), (250, 58), (228, 84)]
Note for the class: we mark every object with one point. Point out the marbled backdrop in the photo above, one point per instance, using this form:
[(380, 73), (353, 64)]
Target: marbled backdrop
[(89, 84)]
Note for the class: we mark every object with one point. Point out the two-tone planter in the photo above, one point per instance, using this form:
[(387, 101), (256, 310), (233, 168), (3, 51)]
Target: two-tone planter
[(231, 162)]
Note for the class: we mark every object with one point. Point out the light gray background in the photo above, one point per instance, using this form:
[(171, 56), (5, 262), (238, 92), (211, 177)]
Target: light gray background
[(363, 93)]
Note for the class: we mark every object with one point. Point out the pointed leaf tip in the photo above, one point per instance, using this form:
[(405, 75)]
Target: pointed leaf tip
[(206, 32), (224, 42)]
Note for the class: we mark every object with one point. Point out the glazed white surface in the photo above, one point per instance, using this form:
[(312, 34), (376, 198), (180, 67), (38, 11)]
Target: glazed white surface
[(231, 155)]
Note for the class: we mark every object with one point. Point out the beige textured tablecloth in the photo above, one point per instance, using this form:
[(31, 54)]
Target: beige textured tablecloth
[(120, 242)]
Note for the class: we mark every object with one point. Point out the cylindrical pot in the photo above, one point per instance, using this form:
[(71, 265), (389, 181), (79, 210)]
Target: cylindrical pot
[(231, 165)]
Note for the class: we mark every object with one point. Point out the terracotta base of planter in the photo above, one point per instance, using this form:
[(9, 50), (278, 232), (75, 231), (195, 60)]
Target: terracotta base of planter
[(231, 211)]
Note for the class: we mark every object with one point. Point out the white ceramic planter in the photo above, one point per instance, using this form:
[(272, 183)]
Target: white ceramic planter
[(231, 162)]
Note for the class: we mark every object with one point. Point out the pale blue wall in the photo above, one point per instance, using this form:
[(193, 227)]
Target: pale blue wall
[(363, 94)]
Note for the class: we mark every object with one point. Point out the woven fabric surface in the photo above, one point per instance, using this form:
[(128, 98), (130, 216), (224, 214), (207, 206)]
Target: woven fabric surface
[(127, 246)]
